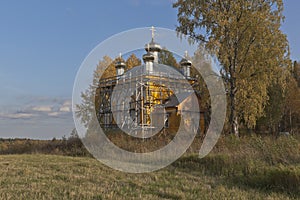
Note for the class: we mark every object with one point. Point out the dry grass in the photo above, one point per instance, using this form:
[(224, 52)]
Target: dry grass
[(61, 177), (238, 168)]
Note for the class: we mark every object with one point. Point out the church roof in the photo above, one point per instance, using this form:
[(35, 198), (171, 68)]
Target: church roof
[(158, 70)]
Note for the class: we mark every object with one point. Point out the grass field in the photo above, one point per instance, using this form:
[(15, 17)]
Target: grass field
[(253, 168)]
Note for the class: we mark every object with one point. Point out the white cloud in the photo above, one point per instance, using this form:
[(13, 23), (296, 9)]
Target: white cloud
[(42, 108), (17, 115), (54, 114), (66, 106), (67, 103), (65, 109)]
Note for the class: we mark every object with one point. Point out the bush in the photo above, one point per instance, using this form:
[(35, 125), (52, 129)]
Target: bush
[(69, 147)]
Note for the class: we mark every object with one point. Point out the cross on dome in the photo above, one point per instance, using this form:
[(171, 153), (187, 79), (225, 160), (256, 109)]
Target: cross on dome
[(153, 32), (186, 54)]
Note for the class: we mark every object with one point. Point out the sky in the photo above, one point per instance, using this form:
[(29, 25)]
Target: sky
[(43, 43)]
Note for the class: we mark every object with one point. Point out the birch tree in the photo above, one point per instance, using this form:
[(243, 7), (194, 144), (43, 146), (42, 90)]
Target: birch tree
[(246, 39)]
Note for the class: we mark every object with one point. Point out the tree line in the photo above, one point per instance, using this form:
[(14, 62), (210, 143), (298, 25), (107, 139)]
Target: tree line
[(71, 146)]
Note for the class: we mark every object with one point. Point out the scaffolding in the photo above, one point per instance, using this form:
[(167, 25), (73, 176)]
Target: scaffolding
[(147, 92)]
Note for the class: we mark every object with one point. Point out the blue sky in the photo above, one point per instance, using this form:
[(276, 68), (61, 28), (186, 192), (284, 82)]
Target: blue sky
[(43, 43)]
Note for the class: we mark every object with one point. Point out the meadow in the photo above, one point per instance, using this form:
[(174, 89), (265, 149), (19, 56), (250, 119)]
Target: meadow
[(252, 167)]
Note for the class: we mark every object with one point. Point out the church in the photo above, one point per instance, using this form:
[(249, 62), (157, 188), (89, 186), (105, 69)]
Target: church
[(151, 97)]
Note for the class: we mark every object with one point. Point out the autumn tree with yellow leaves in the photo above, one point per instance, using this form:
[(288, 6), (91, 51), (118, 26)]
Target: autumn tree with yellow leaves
[(246, 39)]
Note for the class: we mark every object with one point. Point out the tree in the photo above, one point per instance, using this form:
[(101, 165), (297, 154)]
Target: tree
[(296, 72), (245, 37), (107, 67), (283, 108), (90, 97), (274, 109), (132, 61), (206, 70), (167, 58), (292, 105), (74, 134)]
